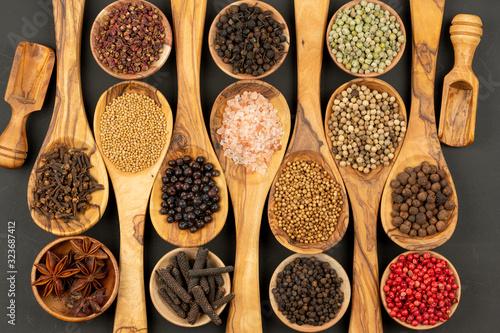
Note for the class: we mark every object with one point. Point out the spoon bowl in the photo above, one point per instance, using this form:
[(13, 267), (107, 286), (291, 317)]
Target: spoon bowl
[(248, 195), (132, 190), (69, 123)]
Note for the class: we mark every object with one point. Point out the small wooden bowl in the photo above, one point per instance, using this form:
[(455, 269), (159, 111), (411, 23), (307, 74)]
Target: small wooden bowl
[(155, 66), (227, 68), (382, 6), (58, 308), (346, 288), (453, 308), (163, 308)]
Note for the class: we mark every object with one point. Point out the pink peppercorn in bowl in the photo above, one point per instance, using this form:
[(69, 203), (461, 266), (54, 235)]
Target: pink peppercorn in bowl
[(432, 276), (122, 47)]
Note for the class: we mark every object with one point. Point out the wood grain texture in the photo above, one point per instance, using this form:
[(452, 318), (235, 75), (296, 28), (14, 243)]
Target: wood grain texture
[(345, 287), (421, 142), (228, 68), (132, 192), (457, 121), (308, 140), (58, 308), (248, 195), (155, 66), (28, 82), (69, 123), (163, 308), (384, 6), (190, 136), (365, 191), (453, 308)]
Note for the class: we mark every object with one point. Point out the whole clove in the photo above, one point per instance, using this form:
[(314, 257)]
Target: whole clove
[(176, 308), (193, 273), (221, 301), (202, 301), (63, 184)]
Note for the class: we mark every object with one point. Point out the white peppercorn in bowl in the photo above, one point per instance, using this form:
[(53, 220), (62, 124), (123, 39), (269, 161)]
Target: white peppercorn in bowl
[(345, 287), (392, 59)]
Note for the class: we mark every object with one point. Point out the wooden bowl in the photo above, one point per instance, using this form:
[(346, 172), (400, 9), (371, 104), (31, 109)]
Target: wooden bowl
[(382, 6), (58, 308), (227, 68), (385, 276), (346, 288), (155, 66), (163, 308)]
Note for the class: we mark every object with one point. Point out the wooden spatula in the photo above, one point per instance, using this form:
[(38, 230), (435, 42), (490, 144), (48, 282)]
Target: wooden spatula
[(28, 82)]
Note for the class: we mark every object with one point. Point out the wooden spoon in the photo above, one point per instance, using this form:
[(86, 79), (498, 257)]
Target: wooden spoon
[(421, 143), (248, 195), (28, 82), (308, 141), (190, 135), (69, 123), (132, 192), (461, 87), (365, 191)]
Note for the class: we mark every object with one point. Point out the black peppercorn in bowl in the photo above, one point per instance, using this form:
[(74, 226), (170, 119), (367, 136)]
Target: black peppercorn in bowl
[(131, 40), (420, 290), (170, 306), (366, 45), (75, 278), (327, 275), (249, 39)]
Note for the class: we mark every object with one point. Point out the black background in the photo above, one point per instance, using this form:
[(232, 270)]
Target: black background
[(474, 248)]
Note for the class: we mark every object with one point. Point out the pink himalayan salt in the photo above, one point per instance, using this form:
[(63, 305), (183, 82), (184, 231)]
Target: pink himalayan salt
[(251, 131)]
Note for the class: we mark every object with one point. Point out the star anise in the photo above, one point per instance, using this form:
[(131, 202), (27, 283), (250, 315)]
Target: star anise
[(54, 272), (86, 249), (88, 305), (88, 277)]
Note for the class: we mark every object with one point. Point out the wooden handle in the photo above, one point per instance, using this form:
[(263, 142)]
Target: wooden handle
[(13, 142), (310, 21), (426, 19), (366, 315), (245, 309), (130, 313), (461, 87)]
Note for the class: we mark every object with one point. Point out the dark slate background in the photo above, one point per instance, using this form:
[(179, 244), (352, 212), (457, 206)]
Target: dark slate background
[(474, 248)]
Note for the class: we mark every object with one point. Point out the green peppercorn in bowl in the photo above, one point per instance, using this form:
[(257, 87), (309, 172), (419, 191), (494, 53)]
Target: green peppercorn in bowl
[(328, 275), (366, 38), (131, 40), (75, 278), (410, 282), (249, 39)]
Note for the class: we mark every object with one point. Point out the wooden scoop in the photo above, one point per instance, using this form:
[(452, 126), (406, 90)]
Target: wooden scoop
[(248, 195), (132, 192), (190, 136), (69, 123), (460, 87), (421, 142), (28, 82), (308, 141), (365, 191)]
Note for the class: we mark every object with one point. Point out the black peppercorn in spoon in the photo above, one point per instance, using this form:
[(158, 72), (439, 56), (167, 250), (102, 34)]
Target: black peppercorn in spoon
[(190, 136), (421, 143)]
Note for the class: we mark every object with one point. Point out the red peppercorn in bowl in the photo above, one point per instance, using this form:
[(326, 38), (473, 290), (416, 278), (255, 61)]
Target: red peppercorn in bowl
[(420, 290), (131, 39)]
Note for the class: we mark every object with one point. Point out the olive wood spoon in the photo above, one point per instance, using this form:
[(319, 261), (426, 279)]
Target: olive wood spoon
[(28, 82), (190, 136), (248, 195), (132, 190), (457, 121), (69, 123), (308, 141), (421, 142), (365, 191)]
